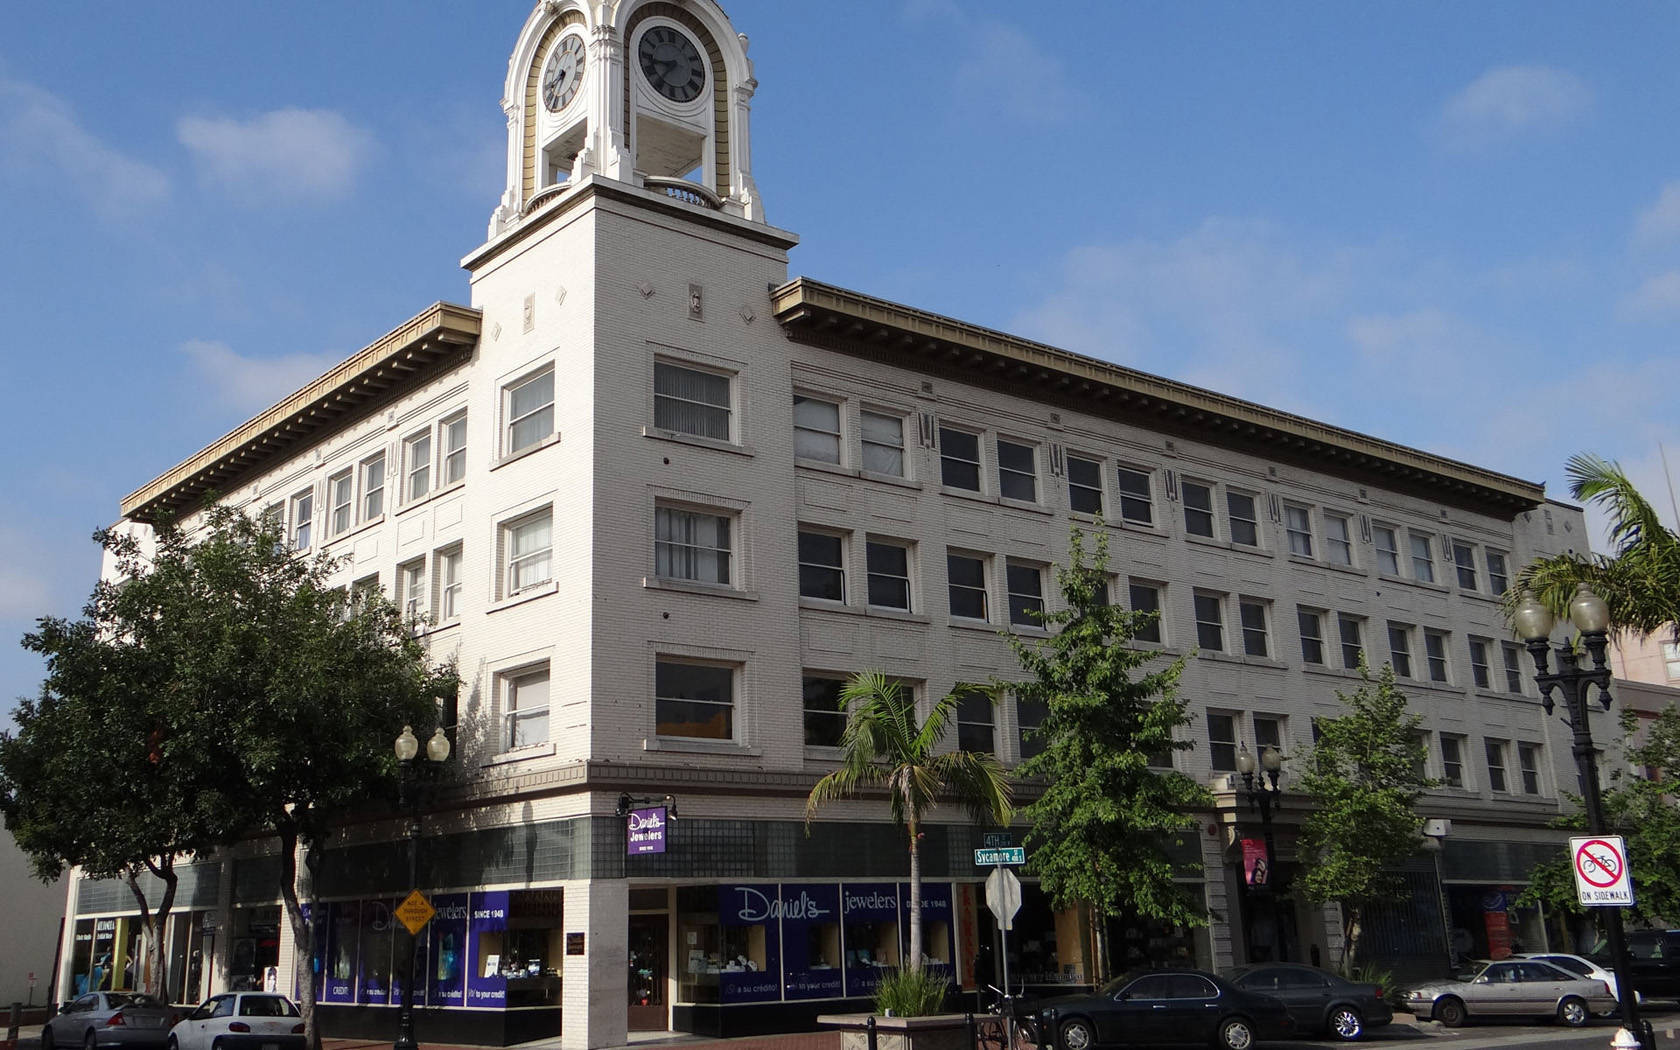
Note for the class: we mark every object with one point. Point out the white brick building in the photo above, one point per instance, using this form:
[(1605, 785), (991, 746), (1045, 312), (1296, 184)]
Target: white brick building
[(657, 498)]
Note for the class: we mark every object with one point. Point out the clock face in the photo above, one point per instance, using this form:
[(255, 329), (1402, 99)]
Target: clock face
[(564, 73), (671, 63)]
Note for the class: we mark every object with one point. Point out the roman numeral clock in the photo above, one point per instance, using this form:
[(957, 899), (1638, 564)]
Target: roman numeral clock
[(671, 63)]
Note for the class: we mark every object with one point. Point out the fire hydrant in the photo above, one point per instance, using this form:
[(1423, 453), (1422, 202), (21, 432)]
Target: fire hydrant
[(1624, 1040)]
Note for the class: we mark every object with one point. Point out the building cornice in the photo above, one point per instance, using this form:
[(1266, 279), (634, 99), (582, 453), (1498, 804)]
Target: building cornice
[(847, 321), (416, 348)]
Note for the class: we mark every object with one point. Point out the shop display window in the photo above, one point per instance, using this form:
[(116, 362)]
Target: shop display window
[(254, 947), (871, 939), (446, 944), (728, 944), (376, 951), (811, 951), (518, 944), (699, 945), (487, 941), (938, 948), (344, 919)]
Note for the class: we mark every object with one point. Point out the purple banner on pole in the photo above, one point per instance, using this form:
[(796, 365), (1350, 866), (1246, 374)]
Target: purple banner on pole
[(644, 831)]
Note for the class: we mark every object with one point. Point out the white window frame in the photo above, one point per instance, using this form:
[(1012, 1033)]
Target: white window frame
[(1529, 768), (411, 590), (1215, 744), (1303, 616), (1499, 580), (1435, 649), (1421, 545), (1246, 605), (1094, 488), (1343, 622), (1388, 558), (805, 433), (946, 457), (984, 589), (415, 468), (1212, 490), (1464, 564), (732, 703), (514, 713), (510, 421), (671, 551), (1448, 765), (1671, 659), (1198, 598), (1338, 550), (1129, 497), (839, 567), (510, 563), (302, 510), (1252, 520), (1510, 655), (446, 583), (823, 714), (1011, 567), (1008, 475), (871, 573), (705, 409), (341, 501), (1133, 586), (895, 449), (452, 461), (1497, 753), (371, 475), (1298, 533), (1481, 671), (1400, 649), (970, 703)]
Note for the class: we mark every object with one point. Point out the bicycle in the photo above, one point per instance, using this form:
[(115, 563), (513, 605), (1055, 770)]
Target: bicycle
[(1004, 1025)]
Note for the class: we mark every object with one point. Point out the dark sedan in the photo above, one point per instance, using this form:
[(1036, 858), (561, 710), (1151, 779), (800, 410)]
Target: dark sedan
[(1167, 1006), (1318, 1000)]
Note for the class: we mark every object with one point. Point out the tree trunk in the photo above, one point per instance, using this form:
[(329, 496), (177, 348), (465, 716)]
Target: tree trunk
[(303, 933), (155, 979), (1350, 935), (915, 899)]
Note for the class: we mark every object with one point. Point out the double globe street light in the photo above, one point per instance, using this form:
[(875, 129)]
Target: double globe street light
[(1591, 617), (409, 766), (1263, 797)]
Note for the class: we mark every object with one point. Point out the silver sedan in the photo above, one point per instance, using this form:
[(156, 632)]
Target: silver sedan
[(1512, 988), (109, 1019)]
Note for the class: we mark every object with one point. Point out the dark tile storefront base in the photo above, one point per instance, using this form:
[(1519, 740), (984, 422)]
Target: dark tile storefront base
[(442, 1025), (727, 1022)]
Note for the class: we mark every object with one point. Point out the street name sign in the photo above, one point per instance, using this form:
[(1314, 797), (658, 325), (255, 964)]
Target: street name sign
[(997, 839), (1601, 870), (1005, 855), (415, 912)]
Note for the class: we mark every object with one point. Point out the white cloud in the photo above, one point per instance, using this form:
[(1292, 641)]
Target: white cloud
[(994, 46), (288, 154), (1661, 221), (248, 384), (1509, 101), (39, 131), (1657, 298)]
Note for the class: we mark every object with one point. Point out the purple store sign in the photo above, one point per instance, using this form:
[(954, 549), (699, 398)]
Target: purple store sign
[(644, 831)]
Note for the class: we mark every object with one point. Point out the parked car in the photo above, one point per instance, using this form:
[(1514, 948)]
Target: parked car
[(240, 1021), (1581, 966), (1512, 988), (125, 1019), (1319, 1001), (1167, 1006), (1653, 962)]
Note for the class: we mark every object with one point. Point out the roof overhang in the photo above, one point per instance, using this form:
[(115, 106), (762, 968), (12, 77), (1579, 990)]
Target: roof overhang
[(435, 338), (846, 321)]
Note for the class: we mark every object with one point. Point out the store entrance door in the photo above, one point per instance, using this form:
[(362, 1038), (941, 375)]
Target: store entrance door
[(649, 944)]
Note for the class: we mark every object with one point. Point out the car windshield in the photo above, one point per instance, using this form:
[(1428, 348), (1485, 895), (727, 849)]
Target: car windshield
[(266, 1006), (145, 1002)]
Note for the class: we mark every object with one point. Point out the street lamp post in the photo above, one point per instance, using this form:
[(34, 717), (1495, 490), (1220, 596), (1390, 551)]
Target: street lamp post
[(407, 747), (1591, 617), (1263, 797)]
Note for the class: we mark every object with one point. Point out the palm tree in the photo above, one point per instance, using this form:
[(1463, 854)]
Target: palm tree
[(884, 746), (1640, 581)]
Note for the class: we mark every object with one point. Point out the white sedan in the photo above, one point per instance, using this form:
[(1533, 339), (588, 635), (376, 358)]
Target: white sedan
[(240, 1021), (1581, 965)]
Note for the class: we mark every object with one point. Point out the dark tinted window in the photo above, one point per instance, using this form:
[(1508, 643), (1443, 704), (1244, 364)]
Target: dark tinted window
[(1258, 980), (223, 1007), (266, 1006), (1154, 986), (1192, 986), (1300, 979)]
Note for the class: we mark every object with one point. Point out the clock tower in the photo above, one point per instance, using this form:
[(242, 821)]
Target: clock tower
[(655, 93)]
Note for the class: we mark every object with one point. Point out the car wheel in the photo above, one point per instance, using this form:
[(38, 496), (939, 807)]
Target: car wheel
[(1346, 1024), (1076, 1034), (46, 1037), (216, 1044), (90, 1041), (174, 1044), (1450, 1012), (1235, 1033), (1573, 1011)]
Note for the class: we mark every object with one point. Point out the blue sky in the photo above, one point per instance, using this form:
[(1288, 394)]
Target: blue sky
[(1456, 226)]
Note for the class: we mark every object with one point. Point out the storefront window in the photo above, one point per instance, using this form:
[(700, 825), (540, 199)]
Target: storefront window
[(343, 926), (811, 941), (729, 944), (376, 951), (446, 943), (255, 947), (487, 938), (81, 959), (870, 916), (699, 945), (937, 948)]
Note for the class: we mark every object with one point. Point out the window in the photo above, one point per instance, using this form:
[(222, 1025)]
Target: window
[(1671, 659), (447, 579), (1452, 760), (411, 589), (417, 457), (690, 401), (1400, 649), (825, 721), (1419, 741), (694, 700), (453, 434), (1495, 764), (1499, 578), (1198, 508), (1268, 732), (691, 545), (1423, 558), (1210, 621), (1297, 525), (341, 494), (1464, 560), (1017, 471), (821, 570), (1435, 651), (528, 407), (1084, 485), (1512, 653), (888, 566), (1253, 615), (303, 519), (959, 459), (1312, 635), (967, 582), (273, 517), (1026, 594), (1338, 539), (373, 487), (974, 723), (1137, 501), (1245, 526), (1528, 759), (1146, 598), (1222, 742), (883, 444), (1388, 550), (526, 546), (1479, 662), (1029, 715), (1353, 649), (816, 429), (525, 703)]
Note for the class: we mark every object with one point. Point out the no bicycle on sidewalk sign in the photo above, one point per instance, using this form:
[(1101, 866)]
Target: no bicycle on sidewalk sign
[(1601, 870)]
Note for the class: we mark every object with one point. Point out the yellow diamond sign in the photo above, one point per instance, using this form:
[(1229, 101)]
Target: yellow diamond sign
[(415, 912)]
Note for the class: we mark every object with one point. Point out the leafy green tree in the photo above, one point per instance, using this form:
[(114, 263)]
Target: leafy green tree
[(1639, 807), (1103, 825), (266, 700), (886, 746), (1640, 582), (1364, 776)]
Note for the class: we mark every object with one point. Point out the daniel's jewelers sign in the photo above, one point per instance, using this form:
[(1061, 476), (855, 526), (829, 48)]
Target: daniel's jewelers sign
[(644, 831)]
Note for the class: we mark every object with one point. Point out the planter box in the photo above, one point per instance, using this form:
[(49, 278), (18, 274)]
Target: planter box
[(938, 1032)]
